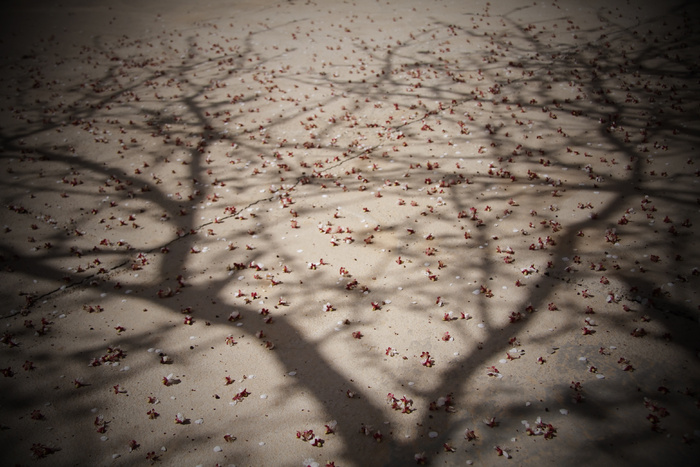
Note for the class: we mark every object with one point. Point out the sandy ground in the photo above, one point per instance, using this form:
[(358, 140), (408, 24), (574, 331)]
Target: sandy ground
[(355, 233)]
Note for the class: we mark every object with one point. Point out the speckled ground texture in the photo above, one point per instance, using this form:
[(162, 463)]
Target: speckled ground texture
[(349, 233)]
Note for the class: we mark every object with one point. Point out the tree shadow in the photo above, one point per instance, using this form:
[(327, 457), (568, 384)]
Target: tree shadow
[(181, 114)]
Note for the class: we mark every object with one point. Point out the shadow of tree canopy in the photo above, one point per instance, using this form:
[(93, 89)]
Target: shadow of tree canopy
[(501, 203)]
